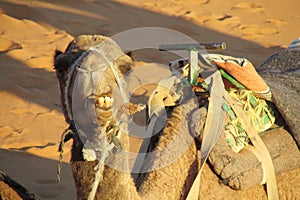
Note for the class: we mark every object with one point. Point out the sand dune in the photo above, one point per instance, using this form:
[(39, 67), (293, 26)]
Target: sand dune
[(30, 112)]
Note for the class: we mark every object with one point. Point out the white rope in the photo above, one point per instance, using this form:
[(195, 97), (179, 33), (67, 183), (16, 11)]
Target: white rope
[(67, 87), (99, 168), (119, 81)]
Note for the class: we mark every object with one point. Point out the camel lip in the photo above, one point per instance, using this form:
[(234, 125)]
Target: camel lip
[(104, 94), (102, 109)]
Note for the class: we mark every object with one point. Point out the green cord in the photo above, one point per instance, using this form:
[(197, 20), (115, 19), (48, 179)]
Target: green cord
[(231, 79), (227, 108), (61, 151)]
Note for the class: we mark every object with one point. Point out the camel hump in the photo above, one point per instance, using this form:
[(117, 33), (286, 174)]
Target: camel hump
[(281, 71)]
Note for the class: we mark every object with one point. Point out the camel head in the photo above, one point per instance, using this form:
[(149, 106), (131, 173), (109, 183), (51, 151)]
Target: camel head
[(91, 72)]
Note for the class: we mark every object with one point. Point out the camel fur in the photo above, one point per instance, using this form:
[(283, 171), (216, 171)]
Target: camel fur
[(170, 182), (118, 184)]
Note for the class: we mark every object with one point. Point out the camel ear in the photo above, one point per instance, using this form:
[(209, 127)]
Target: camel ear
[(57, 53), (130, 54), (62, 61), (57, 64)]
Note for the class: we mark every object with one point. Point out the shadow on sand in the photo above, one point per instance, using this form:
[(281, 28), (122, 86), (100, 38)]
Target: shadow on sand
[(98, 15)]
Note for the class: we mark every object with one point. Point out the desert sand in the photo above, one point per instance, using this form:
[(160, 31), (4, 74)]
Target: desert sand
[(31, 120)]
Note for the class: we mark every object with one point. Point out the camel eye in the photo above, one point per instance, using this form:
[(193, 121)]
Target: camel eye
[(125, 68)]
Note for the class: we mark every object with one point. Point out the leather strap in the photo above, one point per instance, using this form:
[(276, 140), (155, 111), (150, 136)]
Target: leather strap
[(262, 152), (259, 145), (213, 127)]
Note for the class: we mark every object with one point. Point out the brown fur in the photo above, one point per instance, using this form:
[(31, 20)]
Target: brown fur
[(174, 180), (170, 182)]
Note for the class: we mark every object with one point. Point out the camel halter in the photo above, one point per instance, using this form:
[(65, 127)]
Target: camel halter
[(86, 86), (109, 54), (86, 72)]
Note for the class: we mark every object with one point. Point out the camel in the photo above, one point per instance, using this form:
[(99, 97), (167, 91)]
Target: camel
[(122, 186), (172, 181)]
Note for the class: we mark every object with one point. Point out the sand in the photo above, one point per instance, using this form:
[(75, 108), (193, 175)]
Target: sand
[(31, 120)]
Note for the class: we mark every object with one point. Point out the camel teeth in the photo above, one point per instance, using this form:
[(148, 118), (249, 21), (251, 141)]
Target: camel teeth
[(111, 101), (101, 101), (107, 102)]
